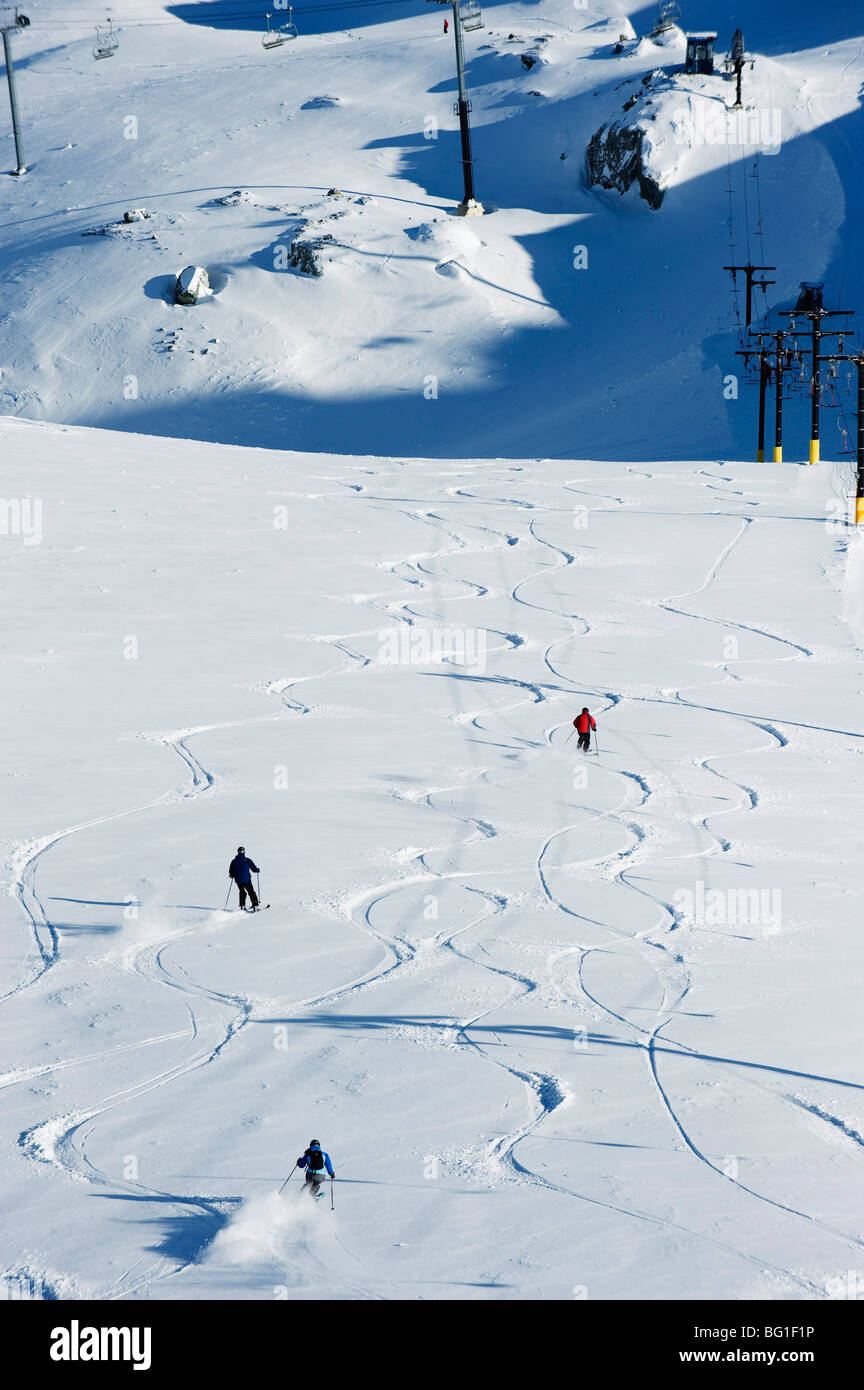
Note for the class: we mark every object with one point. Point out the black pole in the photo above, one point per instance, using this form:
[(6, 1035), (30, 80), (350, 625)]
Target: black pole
[(13, 102), (467, 160), (778, 403), (763, 383), (814, 401), (469, 204), (859, 498)]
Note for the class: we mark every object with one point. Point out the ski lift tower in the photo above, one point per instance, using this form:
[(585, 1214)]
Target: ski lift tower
[(735, 63), (466, 15), (10, 26)]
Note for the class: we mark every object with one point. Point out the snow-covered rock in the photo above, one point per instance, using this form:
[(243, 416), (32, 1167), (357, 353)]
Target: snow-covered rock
[(238, 198), (675, 125), (193, 284)]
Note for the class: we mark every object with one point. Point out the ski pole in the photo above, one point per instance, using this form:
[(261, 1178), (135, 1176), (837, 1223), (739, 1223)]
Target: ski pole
[(287, 1180), (596, 744), (227, 896), (258, 885), (570, 735), (332, 1205)]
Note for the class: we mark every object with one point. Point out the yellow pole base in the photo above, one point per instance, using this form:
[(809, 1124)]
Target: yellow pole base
[(814, 450), (859, 511), (760, 455), (778, 453)]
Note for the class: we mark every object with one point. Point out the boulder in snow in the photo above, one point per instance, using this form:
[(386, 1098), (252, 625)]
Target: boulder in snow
[(233, 200), (193, 284), (306, 254), (616, 159)]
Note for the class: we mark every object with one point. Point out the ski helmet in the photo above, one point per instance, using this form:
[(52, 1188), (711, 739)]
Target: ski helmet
[(240, 849), (584, 709), (313, 1144)]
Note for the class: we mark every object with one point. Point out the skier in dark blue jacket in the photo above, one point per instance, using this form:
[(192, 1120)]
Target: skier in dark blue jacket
[(241, 870), (318, 1166)]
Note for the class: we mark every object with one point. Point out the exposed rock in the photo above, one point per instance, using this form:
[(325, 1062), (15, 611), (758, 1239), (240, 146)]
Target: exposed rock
[(306, 255), (232, 200), (319, 103), (615, 159), (135, 215), (638, 150), (193, 284)]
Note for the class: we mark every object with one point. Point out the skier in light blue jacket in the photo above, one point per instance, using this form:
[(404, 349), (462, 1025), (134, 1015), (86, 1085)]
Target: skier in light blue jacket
[(318, 1166)]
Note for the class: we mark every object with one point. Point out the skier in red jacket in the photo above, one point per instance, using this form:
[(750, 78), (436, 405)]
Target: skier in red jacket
[(584, 723)]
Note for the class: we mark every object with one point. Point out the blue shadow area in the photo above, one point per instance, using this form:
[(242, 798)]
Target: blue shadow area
[(310, 19), (773, 26), (184, 1237)]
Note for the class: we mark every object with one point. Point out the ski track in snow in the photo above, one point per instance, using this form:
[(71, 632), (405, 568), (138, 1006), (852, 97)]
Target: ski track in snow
[(749, 798), (548, 1089), (60, 1140), (675, 983)]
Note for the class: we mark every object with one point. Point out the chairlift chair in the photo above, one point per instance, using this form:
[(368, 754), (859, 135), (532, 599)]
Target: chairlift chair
[(107, 42), (470, 15), (846, 447), (273, 38)]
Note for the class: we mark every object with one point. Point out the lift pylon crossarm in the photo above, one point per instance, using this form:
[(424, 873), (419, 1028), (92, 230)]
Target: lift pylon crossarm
[(817, 333), (749, 270)]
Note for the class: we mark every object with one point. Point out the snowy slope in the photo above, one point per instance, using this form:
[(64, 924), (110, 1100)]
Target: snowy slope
[(543, 1064), (425, 333)]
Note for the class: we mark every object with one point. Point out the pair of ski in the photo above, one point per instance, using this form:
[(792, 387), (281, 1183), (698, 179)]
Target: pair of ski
[(316, 1195), (262, 907)]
